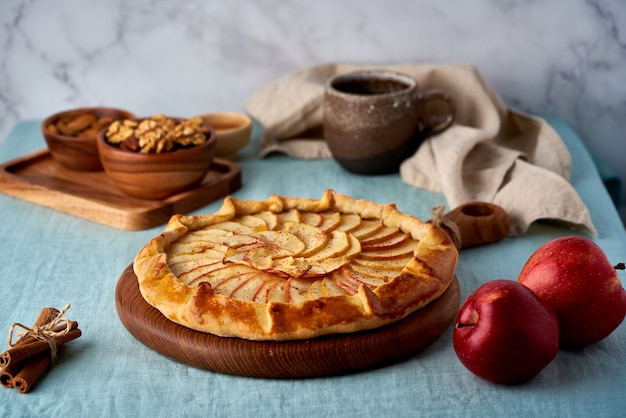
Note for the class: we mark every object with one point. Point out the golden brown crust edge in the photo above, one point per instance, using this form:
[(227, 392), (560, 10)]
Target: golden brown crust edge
[(423, 279)]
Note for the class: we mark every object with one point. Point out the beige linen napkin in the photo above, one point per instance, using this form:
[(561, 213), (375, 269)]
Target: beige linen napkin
[(491, 153)]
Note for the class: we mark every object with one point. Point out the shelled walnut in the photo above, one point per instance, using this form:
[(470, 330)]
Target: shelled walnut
[(157, 134)]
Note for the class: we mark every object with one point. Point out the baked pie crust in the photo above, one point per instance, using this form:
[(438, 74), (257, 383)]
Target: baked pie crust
[(290, 268)]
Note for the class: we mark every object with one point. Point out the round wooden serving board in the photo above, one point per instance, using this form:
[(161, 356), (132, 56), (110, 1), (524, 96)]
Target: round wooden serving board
[(324, 356)]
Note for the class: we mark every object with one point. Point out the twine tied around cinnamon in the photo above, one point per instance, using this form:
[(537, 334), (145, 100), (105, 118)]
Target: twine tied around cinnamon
[(451, 228), (48, 332)]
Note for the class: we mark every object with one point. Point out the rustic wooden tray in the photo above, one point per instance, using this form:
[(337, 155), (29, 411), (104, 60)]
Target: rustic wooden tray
[(38, 178), (324, 356)]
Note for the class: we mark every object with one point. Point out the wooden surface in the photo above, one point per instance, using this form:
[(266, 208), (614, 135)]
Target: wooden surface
[(39, 179), (324, 356)]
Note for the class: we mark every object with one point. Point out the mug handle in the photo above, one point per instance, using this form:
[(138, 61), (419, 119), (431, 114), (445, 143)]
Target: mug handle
[(431, 124)]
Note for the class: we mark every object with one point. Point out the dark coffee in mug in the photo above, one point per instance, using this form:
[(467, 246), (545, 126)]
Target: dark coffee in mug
[(367, 86)]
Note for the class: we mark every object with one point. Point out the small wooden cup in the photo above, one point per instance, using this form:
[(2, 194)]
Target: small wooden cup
[(480, 223), (157, 176), (233, 132)]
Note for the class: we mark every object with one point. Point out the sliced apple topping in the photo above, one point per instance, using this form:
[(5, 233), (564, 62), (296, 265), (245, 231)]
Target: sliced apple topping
[(367, 228), (281, 239), (348, 286), (190, 256), (229, 285), (296, 290), (381, 273), (253, 222), (338, 244), (388, 253), (263, 290), (381, 234), (314, 239), (221, 275), (195, 275), (321, 268), (270, 219), (369, 278), (293, 256), (234, 227), (292, 215), (311, 218), (270, 288), (247, 289), (240, 240), (331, 288), (209, 236), (396, 263), (315, 290), (393, 241), (330, 220), (349, 222), (262, 257), (289, 267)]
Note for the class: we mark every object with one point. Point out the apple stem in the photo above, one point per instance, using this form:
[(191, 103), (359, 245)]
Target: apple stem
[(461, 325), (620, 266)]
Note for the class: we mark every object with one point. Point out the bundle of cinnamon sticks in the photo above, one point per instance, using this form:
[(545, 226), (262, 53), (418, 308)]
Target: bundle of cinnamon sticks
[(35, 349)]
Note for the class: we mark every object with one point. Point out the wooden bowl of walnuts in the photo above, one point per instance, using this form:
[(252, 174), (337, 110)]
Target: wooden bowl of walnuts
[(71, 135), (157, 157)]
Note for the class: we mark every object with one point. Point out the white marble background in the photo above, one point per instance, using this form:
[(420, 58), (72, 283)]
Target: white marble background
[(551, 57)]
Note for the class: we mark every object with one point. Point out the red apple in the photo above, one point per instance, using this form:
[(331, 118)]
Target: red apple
[(573, 276), (504, 333)]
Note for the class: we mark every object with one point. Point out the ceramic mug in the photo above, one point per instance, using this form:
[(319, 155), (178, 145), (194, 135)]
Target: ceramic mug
[(375, 119)]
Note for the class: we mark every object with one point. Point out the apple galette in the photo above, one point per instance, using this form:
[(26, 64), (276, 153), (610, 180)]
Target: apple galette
[(290, 268)]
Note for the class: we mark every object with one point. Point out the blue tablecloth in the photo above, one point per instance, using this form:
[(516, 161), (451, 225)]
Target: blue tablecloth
[(48, 258)]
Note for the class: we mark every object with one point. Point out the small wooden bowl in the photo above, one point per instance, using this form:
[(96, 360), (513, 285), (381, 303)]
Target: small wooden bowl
[(73, 151), (157, 176), (480, 223), (233, 132)]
